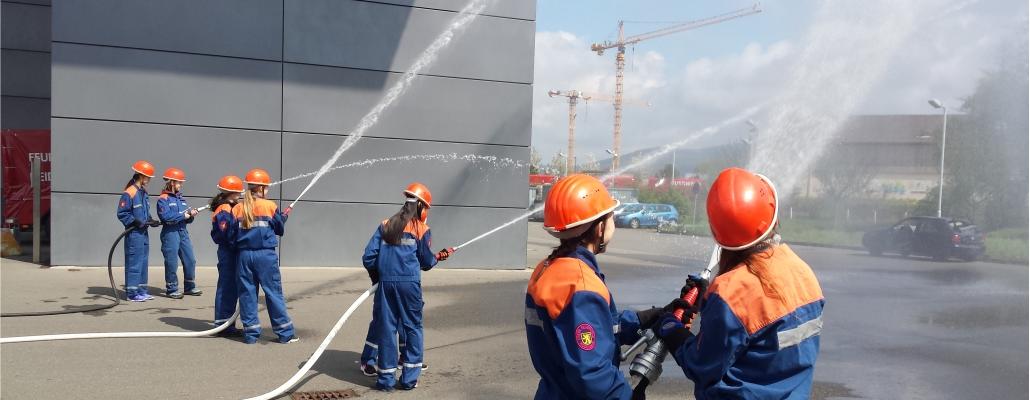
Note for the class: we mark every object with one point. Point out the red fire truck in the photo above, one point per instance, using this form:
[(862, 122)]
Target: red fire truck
[(19, 148)]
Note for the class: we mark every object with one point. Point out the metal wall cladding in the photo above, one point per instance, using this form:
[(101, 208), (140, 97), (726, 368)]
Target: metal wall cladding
[(25, 26), (88, 226), (153, 86), (386, 37), (457, 174), (335, 234), (334, 100), (238, 28), (96, 156), (519, 9), (24, 113), (26, 73)]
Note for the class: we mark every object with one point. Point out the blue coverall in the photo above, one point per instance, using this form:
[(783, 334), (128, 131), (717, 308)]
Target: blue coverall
[(753, 345), (398, 301), (134, 210), (258, 265), (574, 330), (175, 242), (226, 293)]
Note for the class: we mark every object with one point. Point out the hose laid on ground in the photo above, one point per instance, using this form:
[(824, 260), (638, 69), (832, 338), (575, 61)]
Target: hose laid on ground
[(318, 353), (110, 275)]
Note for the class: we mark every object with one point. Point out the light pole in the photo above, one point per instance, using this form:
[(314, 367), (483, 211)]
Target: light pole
[(615, 156), (566, 157), (944, 138)]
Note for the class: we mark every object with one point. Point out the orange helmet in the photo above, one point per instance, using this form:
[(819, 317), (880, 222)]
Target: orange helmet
[(174, 174), (742, 208), (420, 192), (230, 183), (258, 176), (574, 202), (144, 167)]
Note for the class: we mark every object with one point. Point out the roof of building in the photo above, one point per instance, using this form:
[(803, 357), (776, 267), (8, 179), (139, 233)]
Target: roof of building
[(892, 129)]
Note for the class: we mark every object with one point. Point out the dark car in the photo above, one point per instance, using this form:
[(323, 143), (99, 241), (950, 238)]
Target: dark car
[(940, 238), (537, 216)]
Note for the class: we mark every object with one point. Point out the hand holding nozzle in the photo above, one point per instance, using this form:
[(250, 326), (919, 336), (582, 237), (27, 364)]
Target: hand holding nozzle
[(445, 253)]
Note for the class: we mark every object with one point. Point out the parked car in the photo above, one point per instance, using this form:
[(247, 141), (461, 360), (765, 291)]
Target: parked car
[(538, 216), (940, 238), (641, 215)]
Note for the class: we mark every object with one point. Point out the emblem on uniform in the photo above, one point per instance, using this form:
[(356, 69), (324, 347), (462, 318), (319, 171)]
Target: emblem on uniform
[(121, 204), (222, 225), (586, 337)]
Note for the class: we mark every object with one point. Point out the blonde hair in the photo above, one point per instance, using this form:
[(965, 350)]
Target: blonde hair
[(248, 206)]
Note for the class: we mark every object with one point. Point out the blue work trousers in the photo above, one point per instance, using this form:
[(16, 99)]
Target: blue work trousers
[(398, 318), (137, 253), (176, 246), (260, 268), (226, 293)]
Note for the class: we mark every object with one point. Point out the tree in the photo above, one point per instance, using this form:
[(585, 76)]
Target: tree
[(534, 161), (843, 175), (590, 163), (557, 165)]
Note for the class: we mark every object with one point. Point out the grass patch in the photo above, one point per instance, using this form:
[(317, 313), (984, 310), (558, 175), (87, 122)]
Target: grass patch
[(1006, 249)]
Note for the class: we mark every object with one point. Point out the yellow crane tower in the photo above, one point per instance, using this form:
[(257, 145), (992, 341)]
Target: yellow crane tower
[(573, 97), (620, 59)]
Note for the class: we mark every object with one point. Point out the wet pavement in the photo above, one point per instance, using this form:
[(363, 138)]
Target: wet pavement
[(894, 328)]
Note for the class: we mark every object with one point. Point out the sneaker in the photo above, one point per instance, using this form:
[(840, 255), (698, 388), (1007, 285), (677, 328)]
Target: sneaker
[(175, 295), (138, 298), (425, 366), (291, 339), (369, 369), (194, 292), (147, 296), (402, 387)]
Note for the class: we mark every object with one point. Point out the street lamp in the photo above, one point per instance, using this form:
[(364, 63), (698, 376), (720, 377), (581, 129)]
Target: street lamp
[(614, 157), (566, 157), (944, 137)]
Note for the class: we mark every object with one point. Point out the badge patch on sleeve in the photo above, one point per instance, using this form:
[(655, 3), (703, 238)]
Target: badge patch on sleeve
[(586, 337), (223, 225)]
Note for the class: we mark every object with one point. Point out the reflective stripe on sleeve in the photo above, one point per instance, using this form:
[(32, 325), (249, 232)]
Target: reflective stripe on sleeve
[(792, 337)]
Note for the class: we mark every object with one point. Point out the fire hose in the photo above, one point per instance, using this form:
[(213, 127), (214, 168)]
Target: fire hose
[(646, 367)]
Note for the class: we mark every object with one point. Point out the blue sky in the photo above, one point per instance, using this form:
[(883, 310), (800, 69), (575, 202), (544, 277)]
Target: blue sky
[(698, 77)]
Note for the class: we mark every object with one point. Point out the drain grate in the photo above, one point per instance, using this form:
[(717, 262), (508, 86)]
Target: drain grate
[(325, 395)]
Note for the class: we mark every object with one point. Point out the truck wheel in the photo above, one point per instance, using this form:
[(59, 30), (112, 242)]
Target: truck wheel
[(634, 223)]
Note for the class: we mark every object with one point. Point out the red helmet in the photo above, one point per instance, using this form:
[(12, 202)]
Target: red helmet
[(174, 174), (144, 167), (420, 192), (230, 183), (742, 208), (574, 202), (258, 176)]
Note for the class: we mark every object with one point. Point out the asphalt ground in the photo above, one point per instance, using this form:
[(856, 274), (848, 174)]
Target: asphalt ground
[(894, 328)]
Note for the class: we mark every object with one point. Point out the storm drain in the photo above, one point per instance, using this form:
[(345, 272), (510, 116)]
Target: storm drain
[(325, 395)]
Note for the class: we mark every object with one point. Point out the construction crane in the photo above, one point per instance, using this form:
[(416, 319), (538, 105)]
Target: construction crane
[(573, 97), (620, 59)]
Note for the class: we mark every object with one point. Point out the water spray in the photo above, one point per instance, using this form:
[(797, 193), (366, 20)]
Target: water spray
[(466, 15)]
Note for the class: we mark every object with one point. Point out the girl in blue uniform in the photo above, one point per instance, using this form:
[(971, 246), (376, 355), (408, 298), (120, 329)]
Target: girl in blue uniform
[(395, 256), (134, 212), (175, 214), (257, 235), (222, 227)]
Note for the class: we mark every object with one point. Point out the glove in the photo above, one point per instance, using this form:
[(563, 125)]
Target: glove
[(444, 254), (373, 275), (154, 223), (139, 224), (672, 332), (650, 316), (702, 286), (286, 212)]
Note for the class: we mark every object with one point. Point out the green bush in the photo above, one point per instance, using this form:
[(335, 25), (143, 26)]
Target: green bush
[(1007, 250)]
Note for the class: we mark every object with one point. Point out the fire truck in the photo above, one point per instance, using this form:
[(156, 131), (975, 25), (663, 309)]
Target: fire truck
[(19, 148)]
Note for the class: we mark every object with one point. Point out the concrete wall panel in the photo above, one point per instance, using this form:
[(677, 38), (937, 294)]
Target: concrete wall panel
[(389, 38), (452, 180), (95, 156), (88, 226), (151, 86), (24, 113), (26, 73), (333, 100), (335, 234), (240, 28), (25, 26)]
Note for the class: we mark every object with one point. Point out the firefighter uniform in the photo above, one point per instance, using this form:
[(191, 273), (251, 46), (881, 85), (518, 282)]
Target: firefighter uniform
[(258, 265), (753, 345), (574, 330), (226, 293), (134, 210), (398, 300), (175, 242)]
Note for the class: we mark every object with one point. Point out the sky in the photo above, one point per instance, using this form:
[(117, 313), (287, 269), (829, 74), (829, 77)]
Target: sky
[(699, 77)]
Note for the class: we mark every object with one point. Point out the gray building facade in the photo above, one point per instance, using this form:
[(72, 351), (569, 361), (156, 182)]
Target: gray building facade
[(218, 87)]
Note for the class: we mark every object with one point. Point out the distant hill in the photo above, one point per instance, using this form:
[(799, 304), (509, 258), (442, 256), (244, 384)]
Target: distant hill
[(687, 159)]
